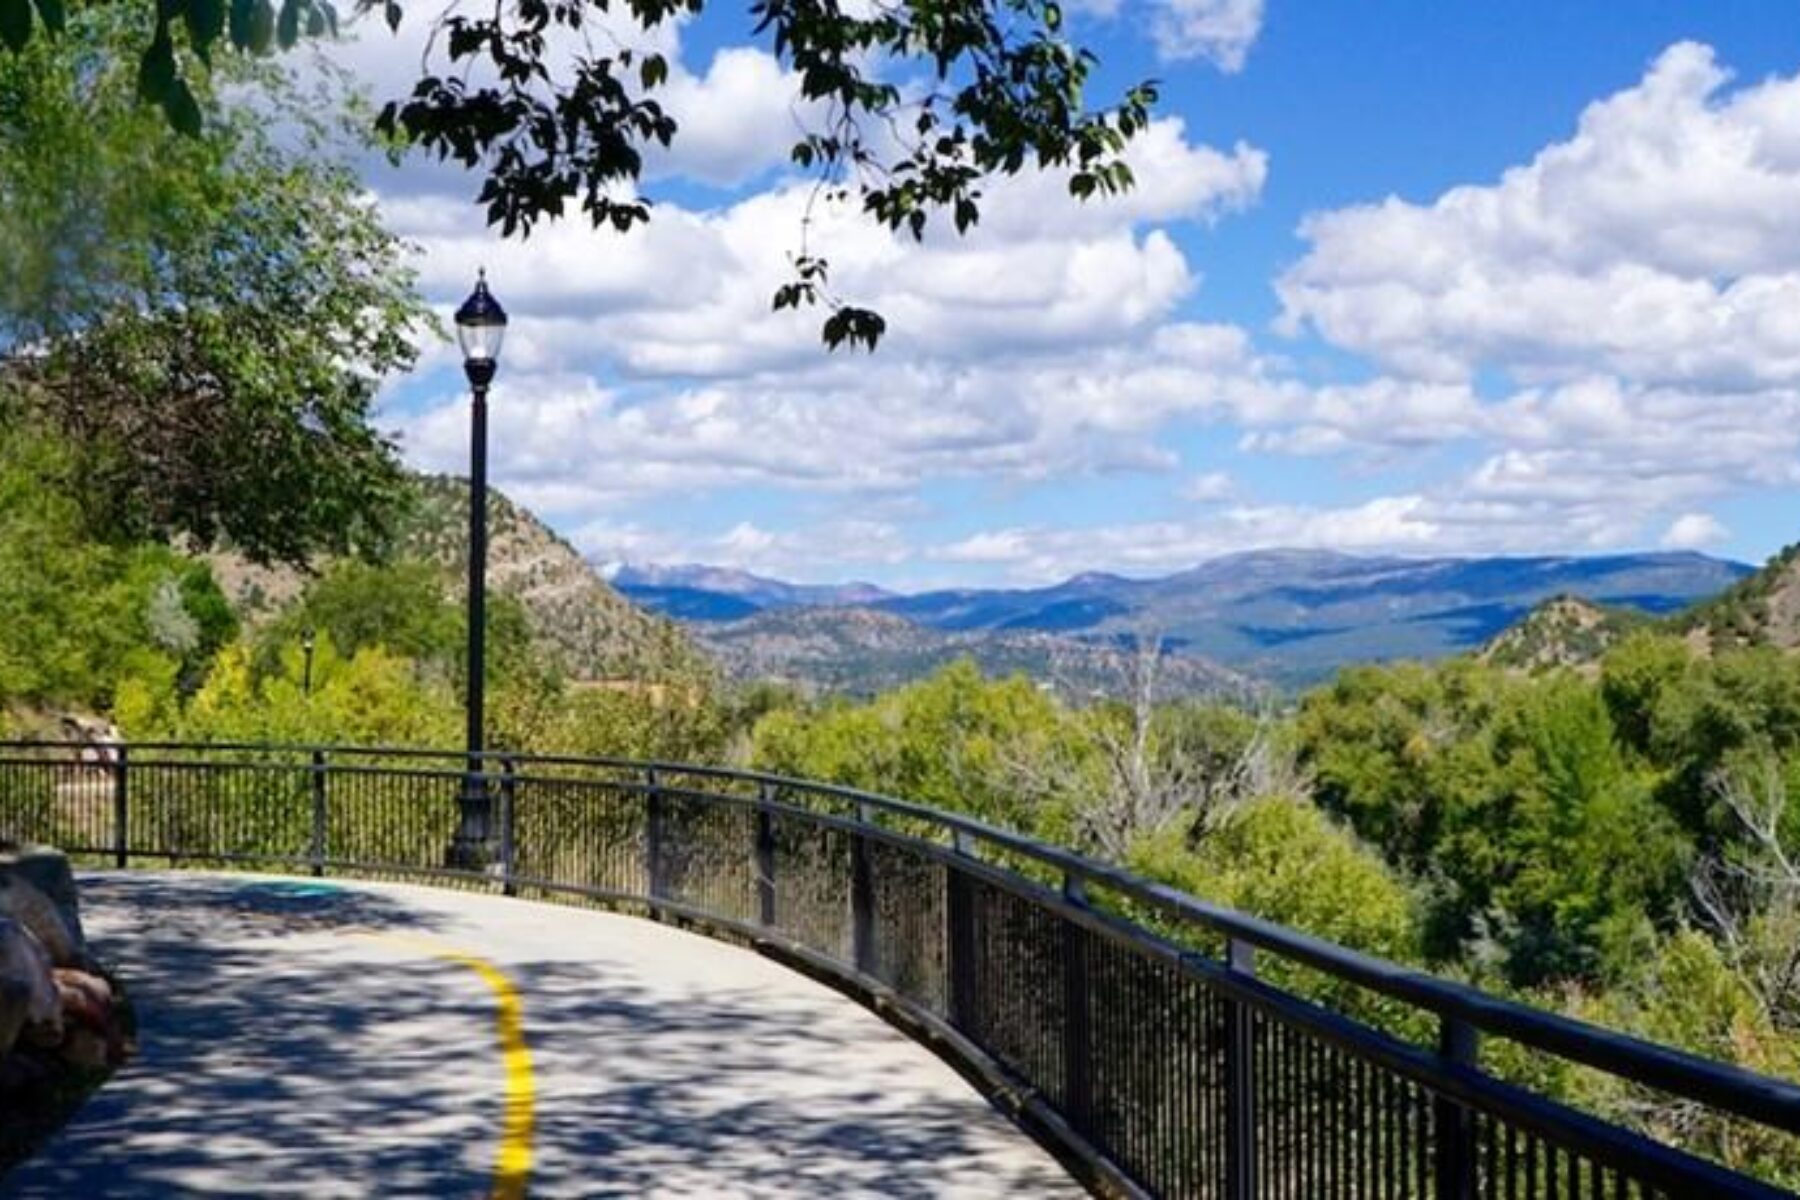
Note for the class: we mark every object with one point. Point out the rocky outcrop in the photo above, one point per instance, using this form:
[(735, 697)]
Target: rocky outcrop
[(57, 1011), (37, 890), (26, 982)]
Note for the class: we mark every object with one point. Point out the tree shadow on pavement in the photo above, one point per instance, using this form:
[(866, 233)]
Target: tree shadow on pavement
[(254, 1074), (733, 1093), (286, 1053)]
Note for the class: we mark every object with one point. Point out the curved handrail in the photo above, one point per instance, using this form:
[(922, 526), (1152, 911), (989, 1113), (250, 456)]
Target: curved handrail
[(1768, 1101)]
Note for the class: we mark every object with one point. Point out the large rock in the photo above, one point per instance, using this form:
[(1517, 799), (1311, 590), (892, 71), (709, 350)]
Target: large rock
[(37, 889), (25, 969), (15, 1010)]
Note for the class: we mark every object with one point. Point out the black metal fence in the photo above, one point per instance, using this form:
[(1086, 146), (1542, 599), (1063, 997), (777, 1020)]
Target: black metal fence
[(1134, 1028)]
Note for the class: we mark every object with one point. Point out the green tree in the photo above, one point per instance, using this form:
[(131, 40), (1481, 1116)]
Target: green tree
[(1001, 750), (1282, 859), (401, 607), (1593, 865), (407, 608), (77, 617), (207, 316), (370, 698)]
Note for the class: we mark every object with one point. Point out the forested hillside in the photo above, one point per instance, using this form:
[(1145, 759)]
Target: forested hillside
[(1763, 609), (1611, 834), (591, 631), (1564, 631)]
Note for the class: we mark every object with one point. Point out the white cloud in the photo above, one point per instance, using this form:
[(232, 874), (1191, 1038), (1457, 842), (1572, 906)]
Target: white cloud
[(1438, 522), (1044, 554), (735, 122), (1209, 488), (689, 294), (818, 552), (1219, 31), (1611, 278), (1653, 244), (1692, 531), (996, 546), (837, 425)]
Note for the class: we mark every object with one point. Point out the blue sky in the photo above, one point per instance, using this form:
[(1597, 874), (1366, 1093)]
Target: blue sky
[(1413, 278)]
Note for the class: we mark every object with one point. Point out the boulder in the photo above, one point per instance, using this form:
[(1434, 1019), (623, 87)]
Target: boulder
[(47, 872), (85, 1049), (15, 1005), (86, 999), (25, 963), (21, 901)]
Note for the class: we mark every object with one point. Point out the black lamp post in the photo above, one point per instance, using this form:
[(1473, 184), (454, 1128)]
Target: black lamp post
[(480, 328), (307, 642)]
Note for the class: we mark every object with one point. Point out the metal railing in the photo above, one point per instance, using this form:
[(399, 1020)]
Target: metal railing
[(1159, 1043)]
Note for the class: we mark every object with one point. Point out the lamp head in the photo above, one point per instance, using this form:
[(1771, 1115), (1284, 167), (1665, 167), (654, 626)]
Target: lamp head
[(480, 326)]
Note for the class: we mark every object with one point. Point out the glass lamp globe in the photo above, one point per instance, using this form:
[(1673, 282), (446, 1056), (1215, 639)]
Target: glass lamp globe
[(481, 324)]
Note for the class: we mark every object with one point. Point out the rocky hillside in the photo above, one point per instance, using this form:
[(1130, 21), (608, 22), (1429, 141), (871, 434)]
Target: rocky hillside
[(860, 651), (1564, 631), (595, 632), (1761, 609)]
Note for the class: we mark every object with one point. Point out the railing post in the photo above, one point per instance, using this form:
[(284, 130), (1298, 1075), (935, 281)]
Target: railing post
[(1459, 1043), (1240, 1082), (765, 857), (121, 811), (509, 788), (655, 819), (1077, 1013), (318, 812), (959, 940), (862, 899)]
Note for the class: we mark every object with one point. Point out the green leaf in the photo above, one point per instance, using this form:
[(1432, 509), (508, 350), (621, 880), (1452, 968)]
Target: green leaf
[(205, 22), (15, 23), (53, 14), (156, 70), (183, 110), (853, 326), (287, 29), (242, 18), (654, 72), (262, 26)]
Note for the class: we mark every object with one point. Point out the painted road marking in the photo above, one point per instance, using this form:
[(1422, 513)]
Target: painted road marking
[(512, 1162)]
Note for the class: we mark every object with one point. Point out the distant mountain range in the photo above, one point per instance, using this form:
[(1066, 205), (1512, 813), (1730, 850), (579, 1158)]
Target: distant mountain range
[(860, 651), (1287, 616), (692, 592)]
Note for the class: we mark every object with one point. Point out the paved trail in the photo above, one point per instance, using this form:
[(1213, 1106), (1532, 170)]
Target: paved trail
[(326, 1039)]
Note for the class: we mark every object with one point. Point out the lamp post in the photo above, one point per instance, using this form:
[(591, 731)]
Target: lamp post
[(480, 328), (308, 640)]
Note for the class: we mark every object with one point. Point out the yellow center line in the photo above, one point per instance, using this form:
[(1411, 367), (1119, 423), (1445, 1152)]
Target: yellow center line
[(512, 1162)]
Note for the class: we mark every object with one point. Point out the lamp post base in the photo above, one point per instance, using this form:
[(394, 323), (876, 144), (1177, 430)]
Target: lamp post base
[(472, 847)]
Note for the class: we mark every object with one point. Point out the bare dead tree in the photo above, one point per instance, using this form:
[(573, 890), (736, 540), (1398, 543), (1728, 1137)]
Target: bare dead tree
[(1145, 783), (1749, 897)]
